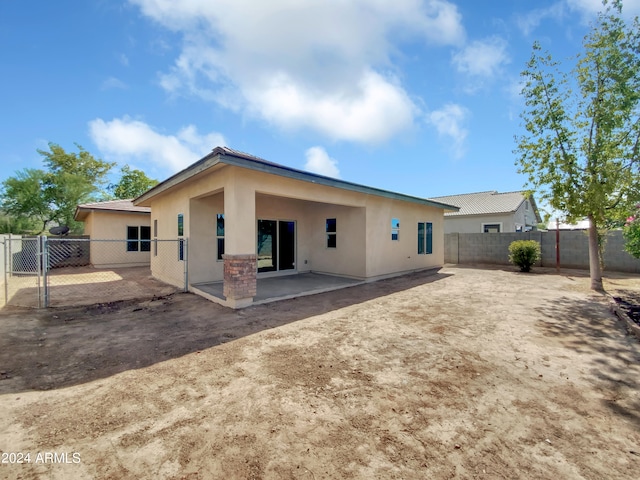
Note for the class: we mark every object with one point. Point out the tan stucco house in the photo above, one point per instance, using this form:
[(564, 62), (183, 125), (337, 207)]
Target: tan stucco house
[(490, 212), (117, 220), (246, 218)]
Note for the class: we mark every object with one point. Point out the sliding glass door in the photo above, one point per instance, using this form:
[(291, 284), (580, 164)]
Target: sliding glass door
[(276, 245)]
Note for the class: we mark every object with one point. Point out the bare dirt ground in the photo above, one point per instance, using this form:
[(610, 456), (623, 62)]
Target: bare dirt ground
[(469, 373), (71, 286)]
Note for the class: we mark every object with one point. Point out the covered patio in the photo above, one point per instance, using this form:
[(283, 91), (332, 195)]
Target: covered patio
[(272, 289)]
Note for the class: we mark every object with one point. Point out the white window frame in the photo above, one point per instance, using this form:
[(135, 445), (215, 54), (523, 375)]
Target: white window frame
[(395, 230), (492, 223)]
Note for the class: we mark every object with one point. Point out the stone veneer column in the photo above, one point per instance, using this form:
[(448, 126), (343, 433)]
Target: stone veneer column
[(239, 279)]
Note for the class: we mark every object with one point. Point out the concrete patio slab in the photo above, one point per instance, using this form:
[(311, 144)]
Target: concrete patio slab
[(272, 289)]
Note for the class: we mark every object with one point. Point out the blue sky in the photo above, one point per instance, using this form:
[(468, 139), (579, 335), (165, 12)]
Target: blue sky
[(419, 97)]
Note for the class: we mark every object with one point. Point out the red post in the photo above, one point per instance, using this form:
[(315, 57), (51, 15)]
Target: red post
[(557, 245)]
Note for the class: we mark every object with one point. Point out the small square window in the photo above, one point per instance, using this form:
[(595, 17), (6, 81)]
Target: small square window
[(220, 225), (331, 240), (331, 228), (145, 234), (220, 235), (180, 224), (132, 239), (395, 229), (331, 225)]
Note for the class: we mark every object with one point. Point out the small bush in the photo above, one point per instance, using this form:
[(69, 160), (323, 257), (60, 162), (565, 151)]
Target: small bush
[(524, 253), (631, 234)]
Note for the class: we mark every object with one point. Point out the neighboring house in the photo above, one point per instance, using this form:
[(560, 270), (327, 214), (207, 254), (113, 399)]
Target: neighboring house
[(246, 218), (490, 212), (580, 225), (117, 220)]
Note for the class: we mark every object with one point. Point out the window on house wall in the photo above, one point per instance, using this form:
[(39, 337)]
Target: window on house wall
[(491, 227), (395, 229), (220, 234), (331, 231), (145, 239), (138, 239), (180, 234), (180, 224), (181, 249), (425, 238), (155, 237), (132, 239)]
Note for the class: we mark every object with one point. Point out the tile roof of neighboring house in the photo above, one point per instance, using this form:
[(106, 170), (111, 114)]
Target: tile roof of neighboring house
[(123, 206), (579, 225), (486, 203), (228, 156)]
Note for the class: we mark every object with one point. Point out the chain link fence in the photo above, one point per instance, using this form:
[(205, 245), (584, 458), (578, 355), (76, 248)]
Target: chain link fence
[(66, 271), (23, 282)]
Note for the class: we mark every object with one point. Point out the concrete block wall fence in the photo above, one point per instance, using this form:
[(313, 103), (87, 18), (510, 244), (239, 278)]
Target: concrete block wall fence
[(493, 248)]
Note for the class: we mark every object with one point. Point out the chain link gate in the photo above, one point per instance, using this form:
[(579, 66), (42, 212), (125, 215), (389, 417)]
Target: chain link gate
[(24, 260), (40, 272)]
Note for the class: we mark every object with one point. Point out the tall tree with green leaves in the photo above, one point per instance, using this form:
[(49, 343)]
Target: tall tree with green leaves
[(132, 183), (581, 149), (52, 195)]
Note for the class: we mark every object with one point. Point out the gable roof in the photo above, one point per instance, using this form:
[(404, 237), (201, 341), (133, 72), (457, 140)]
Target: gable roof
[(228, 156), (487, 203), (121, 206)]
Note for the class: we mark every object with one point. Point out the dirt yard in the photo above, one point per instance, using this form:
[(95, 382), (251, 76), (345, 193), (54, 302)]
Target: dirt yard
[(469, 373)]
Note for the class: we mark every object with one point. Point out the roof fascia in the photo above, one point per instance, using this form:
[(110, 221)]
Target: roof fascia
[(200, 166), (228, 158)]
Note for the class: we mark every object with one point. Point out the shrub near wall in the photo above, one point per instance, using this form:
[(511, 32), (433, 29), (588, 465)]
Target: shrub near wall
[(524, 254)]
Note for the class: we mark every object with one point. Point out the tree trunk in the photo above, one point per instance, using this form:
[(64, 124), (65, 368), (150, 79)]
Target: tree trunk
[(595, 272)]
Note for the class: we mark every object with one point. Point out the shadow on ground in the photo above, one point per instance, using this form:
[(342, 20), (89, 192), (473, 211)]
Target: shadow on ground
[(588, 327), (57, 348)]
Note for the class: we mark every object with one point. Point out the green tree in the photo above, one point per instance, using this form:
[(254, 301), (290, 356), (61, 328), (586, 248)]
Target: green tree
[(52, 195), (132, 183), (9, 224), (581, 151)]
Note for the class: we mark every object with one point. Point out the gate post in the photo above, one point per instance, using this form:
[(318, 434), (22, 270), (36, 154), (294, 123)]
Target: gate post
[(39, 269), (6, 266), (10, 264), (186, 264), (45, 270)]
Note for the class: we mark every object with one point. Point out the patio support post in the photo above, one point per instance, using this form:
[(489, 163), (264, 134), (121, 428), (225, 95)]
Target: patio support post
[(240, 260)]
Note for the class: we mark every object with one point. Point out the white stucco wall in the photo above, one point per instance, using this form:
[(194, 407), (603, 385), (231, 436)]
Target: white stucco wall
[(364, 245), (109, 225)]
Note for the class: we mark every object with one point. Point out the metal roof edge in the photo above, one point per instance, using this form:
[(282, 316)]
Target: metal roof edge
[(201, 165), (239, 159), (293, 173), (80, 210)]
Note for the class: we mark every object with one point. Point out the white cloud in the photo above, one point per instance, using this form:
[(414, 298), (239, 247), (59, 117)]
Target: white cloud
[(589, 8), (532, 20), (314, 64), (126, 138), (319, 161), (372, 111), (113, 82), (449, 123), (482, 58), (586, 9)]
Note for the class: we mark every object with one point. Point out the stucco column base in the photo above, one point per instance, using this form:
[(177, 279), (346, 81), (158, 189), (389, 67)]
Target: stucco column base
[(240, 284)]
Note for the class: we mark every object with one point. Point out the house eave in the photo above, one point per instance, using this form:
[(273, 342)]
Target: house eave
[(81, 212), (221, 156)]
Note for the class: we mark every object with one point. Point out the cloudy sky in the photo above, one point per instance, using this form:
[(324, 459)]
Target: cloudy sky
[(419, 97)]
